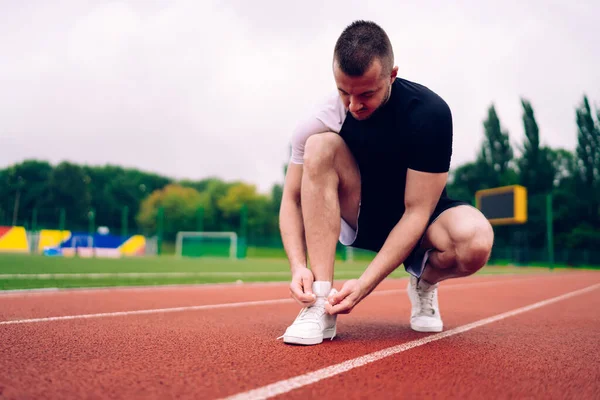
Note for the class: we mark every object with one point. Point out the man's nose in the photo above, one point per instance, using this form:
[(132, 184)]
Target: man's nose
[(355, 105)]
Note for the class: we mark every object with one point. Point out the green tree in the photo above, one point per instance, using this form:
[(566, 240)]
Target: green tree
[(180, 207), (496, 153), (564, 165), (536, 171), (588, 154), (113, 188), (467, 179), (260, 214), (23, 187), (69, 189), (276, 196), (202, 185), (579, 223)]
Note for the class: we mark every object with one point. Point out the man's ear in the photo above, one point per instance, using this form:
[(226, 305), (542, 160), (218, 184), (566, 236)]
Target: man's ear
[(394, 74)]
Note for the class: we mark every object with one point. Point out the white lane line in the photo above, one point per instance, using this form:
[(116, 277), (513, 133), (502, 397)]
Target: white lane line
[(217, 306), (151, 311), (285, 386), (141, 288)]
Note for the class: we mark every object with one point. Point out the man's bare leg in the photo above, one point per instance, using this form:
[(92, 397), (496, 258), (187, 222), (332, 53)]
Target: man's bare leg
[(330, 189), (461, 239)]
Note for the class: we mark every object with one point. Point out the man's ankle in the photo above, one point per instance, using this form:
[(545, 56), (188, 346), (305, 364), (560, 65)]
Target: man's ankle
[(321, 288)]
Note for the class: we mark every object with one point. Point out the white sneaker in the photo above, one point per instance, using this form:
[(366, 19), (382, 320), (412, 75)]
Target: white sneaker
[(425, 314), (313, 324)]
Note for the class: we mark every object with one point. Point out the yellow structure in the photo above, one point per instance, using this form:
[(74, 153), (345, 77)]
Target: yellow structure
[(503, 205), (134, 246), (13, 239), (52, 238)]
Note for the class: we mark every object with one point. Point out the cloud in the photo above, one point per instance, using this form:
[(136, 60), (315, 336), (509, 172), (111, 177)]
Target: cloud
[(194, 89)]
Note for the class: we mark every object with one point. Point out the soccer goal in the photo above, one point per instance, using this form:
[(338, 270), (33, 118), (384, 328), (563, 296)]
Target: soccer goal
[(79, 245), (206, 244)]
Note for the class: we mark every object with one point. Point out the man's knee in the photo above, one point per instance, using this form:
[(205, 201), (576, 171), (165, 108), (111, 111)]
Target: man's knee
[(474, 247), (319, 151)]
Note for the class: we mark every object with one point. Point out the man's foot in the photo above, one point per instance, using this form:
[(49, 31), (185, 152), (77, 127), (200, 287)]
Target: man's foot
[(425, 314), (313, 324)]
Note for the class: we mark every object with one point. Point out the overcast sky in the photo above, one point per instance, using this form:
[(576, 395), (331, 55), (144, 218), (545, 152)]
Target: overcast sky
[(192, 89)]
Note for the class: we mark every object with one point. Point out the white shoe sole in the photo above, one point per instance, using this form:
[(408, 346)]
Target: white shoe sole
[(426, 328), (327, 334)]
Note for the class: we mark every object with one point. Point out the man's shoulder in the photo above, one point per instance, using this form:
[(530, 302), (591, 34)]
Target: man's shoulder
[(331, 112), (420, 101), (410, 90), (327, 116), (328, 110)]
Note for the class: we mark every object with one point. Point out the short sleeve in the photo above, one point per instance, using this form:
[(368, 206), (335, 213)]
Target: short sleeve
[(302, 132), (328, 117), (430, 139)]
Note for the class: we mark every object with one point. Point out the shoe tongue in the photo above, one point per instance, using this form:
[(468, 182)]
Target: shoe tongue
[(424, 285), (321, 288)]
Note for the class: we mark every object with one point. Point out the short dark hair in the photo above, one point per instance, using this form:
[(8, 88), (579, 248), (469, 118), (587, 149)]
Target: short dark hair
[(359, 45)]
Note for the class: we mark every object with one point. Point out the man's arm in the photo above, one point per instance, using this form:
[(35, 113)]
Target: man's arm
[(428, 160), (423, 191), (291, 224), (428, 165)]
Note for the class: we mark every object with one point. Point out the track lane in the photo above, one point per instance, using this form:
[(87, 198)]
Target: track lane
[(547, 353), (221, 352)]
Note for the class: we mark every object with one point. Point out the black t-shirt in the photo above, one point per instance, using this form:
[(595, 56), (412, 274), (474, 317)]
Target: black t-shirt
[(413, 130)]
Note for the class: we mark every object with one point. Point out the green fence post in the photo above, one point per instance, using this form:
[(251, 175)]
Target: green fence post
[(124, 221), (92, 227), (243, 239), (91, 221), (549, 219), (159, 229), (62, 217)]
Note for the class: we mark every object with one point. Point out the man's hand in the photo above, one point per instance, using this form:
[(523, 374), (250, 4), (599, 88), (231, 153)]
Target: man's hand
[(301, 286), (347, 298)]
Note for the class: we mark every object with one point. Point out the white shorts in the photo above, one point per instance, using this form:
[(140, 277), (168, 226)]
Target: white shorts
[(347, 233)]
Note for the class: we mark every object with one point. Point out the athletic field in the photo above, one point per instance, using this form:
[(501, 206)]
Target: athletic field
[(28, 272)]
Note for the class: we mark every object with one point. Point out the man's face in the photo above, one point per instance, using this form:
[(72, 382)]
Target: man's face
[(363, 95)]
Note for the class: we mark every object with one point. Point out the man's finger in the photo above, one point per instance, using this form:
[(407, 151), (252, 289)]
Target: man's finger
[(299, 294), (342, 308), (337, 297), (307, 284), (301, 302)]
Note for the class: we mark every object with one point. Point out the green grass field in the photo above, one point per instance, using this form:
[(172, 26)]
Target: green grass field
[(27, 271)]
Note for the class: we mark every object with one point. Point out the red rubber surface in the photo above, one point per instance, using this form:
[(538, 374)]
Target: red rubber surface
[(4, 230), (550, 352)]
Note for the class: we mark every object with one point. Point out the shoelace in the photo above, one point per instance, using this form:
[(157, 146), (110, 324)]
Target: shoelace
[(425, 301), (314, 311)]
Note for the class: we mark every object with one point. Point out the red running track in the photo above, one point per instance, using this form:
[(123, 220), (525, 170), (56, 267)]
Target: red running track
[(547, 352)]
